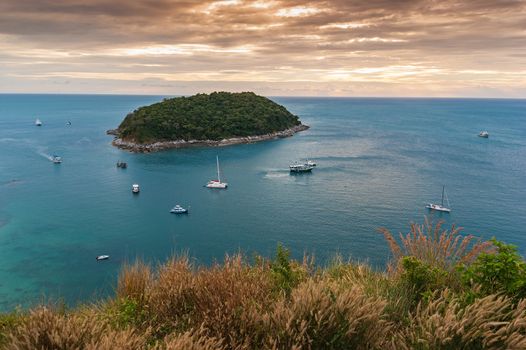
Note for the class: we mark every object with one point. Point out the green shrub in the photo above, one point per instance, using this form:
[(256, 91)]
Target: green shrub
[(285, 275), (422, 278), (127, 312), (502, 271)]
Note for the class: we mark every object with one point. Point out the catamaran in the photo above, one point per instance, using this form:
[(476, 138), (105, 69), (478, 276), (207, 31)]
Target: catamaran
[(217, 183), (440, 207)]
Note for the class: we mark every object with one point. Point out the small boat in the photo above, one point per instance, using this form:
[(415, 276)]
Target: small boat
[(38, 122), (217, 183), (135, 188), (56, 159), (102, 257), (179, 210), (484, 134), (440, 207), (300, 168), (310, 163), (122, 165), (68, 123)]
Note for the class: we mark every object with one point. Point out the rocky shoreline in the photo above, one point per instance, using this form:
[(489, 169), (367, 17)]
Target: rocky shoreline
[(164, 145)]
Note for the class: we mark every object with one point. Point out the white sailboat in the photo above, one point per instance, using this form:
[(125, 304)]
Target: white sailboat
[(440, 207), (217, 183)]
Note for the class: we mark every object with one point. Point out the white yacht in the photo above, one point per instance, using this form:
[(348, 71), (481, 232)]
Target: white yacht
[(440, 207), (179, 210), (135, 188), (38, 122), (56, 159), (217, 183), (300, 168), (484, 134), (102, 257)]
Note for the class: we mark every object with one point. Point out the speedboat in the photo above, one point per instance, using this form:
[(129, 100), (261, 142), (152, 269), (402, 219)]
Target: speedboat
[(179, 210), (102, 257), (135, 188), (217, 183), (38, 122), (300, 168), (484, 134), (56, 159)]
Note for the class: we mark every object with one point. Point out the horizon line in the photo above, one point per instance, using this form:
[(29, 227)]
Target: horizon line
[(278, 96)]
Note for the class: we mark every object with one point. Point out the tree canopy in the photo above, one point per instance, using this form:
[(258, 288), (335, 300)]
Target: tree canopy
[(214, 116)]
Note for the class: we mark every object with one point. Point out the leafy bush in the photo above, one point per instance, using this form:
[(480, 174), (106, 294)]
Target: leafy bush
[(422, 278), (502, 271), (285, 275)]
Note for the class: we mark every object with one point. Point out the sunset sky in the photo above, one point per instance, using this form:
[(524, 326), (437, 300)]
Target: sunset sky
[(276, 48)]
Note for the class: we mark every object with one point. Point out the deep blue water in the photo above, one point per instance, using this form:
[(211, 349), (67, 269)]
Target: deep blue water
[(379, 162)]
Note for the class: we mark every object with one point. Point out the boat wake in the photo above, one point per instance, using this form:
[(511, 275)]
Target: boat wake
[(41, 152), (275, 174)]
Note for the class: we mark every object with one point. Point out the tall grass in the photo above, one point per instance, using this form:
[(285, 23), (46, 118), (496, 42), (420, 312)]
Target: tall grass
[(435, 246), (285, 304)]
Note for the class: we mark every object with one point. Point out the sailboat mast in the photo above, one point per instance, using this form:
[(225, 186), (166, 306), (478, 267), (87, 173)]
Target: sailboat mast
[(443, 187), (217, 162)]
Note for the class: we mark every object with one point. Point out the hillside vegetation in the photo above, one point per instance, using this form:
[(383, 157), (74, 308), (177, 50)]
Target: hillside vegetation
[(442, 290), (216, 116)]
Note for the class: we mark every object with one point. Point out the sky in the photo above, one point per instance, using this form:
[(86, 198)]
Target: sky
[(418, 48)]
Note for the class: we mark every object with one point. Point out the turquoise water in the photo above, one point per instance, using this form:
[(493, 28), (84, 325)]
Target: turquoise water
[(379, 162)]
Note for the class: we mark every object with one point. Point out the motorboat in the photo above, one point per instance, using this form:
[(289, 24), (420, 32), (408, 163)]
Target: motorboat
[(440, 207), (38, 122), (217, 183), (122, 165), (179, 210), (56, 159), (135, 188), (484, 134), (300, 168), (102, 257)]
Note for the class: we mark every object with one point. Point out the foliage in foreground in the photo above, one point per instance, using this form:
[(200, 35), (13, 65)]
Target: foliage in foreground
[(442, 291)]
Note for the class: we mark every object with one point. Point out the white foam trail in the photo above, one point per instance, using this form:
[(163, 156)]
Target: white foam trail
[(276, 174), (41, 151)]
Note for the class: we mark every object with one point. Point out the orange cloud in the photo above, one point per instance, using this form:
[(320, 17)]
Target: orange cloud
[(290, 47)]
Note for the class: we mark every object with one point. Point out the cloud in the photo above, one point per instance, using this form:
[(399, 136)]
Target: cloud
[(388, 47)]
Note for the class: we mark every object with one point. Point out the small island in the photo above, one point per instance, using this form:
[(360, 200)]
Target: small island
[(216, 119)]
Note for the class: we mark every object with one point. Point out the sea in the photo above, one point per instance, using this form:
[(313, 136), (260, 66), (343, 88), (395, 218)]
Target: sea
[(379, 162)]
